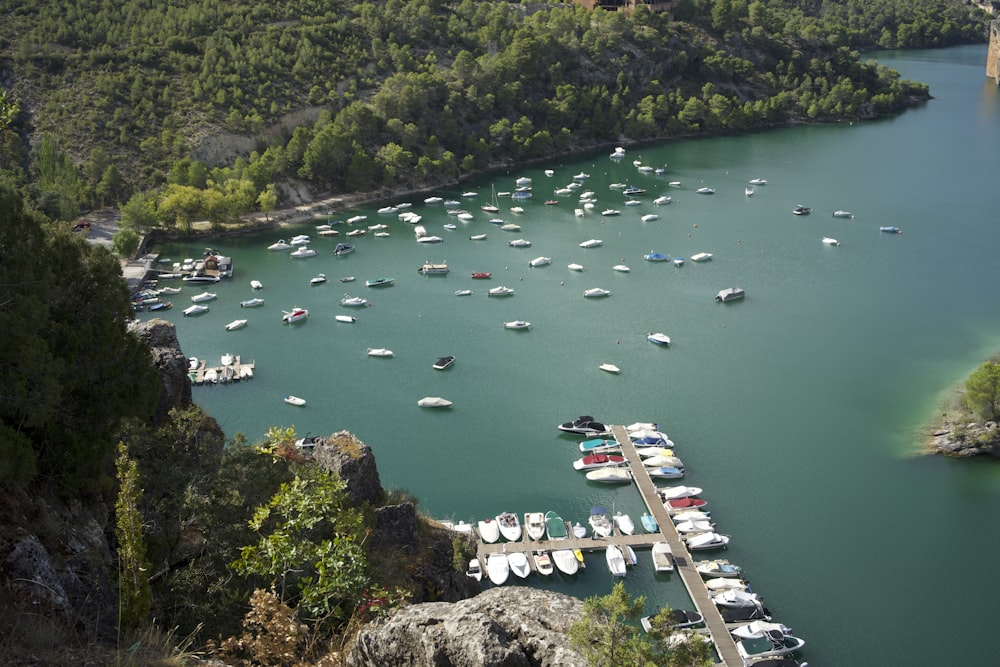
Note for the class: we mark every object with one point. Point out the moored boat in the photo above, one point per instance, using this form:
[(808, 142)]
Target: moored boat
[(624, 524), (659, 338), (380, 282), (519, 564), (843, 214), (500, 290), (594, 461), (294, 315), (565, 561), (294, 400), (663, 560), (701, 257), (204, 296), (555, 527), (773, 643), (656, 257), (718, 568), (383, 352), (510, 526), (890, 230), (596, 293), (443, 363), (196, 309), (730, 294), (434, 402), (517, 325), (616, 560), (236, 324), (543, 563), (649, 523), (353, 301), (599, 522), (801, 210), (534, 525), (497, 568), (706, 541), (474, 571), (489, 531), (610, 368)]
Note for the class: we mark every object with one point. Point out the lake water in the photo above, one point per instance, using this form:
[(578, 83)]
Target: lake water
[(797, 409)]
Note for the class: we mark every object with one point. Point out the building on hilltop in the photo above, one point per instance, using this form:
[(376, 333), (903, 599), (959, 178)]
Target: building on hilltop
[(627, 6)]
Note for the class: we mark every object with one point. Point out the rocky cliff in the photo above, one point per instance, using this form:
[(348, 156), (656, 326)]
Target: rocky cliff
[(502, 627), (966, 440), (169, 361)]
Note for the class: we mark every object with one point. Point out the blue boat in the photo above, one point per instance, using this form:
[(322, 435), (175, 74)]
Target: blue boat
[(665, 472), (649, 523), (656, 257), (650, 441), (598, 445), (891, 230)]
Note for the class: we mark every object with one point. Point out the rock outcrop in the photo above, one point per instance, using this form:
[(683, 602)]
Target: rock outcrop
[(510, 626), (967, 440), (353, 460), (169, 361)]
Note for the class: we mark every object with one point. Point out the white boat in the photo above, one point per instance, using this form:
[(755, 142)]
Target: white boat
[(624, 523), (829, 241), (433, 269), (692, 527), (610, 368), (674, 184), (474, 571), (380, 352), (843, 214), (534, 525), (758, 629), (581, 176), (318, 279), (430, 239), (517, 210), (353, 301), (730, 294), (610, 212), (196, 309), (489, 531), (497, 568), (652, 256), (690, 515), (575, 267), (774, 644), (227, 359), (300, 239), (517, 324), (596, 292), (294, 400), (204, 296), (757, 181), (748, 191), (211, 376), (345, 318), (621, 268), (717, 584), (540, 261), (501, 290), (256, 284), (519, 564), (705, 541), (246, 373), (592, 243), (610, 476), (543, 563), (434, 402), (236, 324), (519, 243), (674, 492), (510, 227), (701, 257), (510, 526), (663, 560), (433, 200), (294, 315), (615, 559), (649, 217), (736, 598), (599, 522), (565, 561), (665, 472), (718, 568), (579, 212), (302, 251), (664, 199), (678, 261), (385, 210), (705, 191), (478, 237), (579, 530), (549, 172), (279, 245), (356, 218), (463, 292), (663, 460), (658, 338)]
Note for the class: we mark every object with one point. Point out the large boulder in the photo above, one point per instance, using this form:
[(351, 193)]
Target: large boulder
[(510, 626), (170, 363), (353, 460)]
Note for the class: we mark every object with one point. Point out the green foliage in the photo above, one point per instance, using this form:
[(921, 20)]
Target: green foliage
[(982, 391), (134, 593), (608, 635), (126, 242)]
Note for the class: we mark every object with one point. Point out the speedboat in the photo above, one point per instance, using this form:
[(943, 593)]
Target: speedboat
[(343, 249), (433, 200), (196, 309), (478, 237), (596, 292), (757, 181), (584, 425), (649, 217), (279, 245), (380, 282), (843, 214), (565, 561), (664, 199), (596, 445), (489, 531), (519, 564), (829, 241), (609, 212), (675, 505), (300, 239), (430, 239), (891, 230), (692, 527), (758, 629), (543, 563), (716, 584), (519, 243), (353, 301), (256, 284), (751, 612), (443, 362), (718, 568), (517, 324), (579, 531), (345, 318), (540, 261), (236, 324), (656, 257), (510, 526), (555, 527), (481, 275), (663, 461), (356, 218), (318, 279), (431, 401), (679, 618), (801, 210), (610, 368), (663, 560), (615, 559), (600, 523), (649, 524), (575, 267), (736, 598), (730, 294), (302, 252), (690, 515), (658, 338), (592, 243), (633, 190), (665, 472), (432, 269), (773, 643), (294, 315), (705, 191), (381, 352), (474, 571), (510, 227), (748, 191), (593, 461), (348, 279), (705, 541), (204, 296), (501, 290), (701, 257), (624, 524), (674, 492), (581, 176), (161, 305), (294, 400), (534, 525), (621, 268), (497, 568)]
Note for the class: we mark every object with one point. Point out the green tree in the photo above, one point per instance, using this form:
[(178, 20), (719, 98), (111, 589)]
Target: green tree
[(267, 200), (125, 242), (982, 390), (134, 594), (139, 212)]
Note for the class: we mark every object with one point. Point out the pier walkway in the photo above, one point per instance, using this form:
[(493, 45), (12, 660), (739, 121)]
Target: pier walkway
[(725, 646), (223, 374)]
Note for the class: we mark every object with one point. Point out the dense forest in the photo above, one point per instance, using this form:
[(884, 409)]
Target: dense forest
[(205, 106)]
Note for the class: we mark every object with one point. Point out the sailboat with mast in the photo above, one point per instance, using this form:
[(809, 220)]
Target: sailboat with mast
[(492, 206)]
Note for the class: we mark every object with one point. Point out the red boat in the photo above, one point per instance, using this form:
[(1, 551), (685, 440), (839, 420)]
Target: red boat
[(552, 202), (598, 461), (681, 504), (482, 275)]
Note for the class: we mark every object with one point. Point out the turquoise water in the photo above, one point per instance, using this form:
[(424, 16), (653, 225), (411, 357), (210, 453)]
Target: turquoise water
[(797, 409)]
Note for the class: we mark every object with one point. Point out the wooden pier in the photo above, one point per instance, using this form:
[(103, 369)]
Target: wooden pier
[(725, 646), (235, 372)]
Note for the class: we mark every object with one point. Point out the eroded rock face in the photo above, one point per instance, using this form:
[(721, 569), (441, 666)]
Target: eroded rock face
[(968, 440), (170, 363), (510, 626), (353, 460)]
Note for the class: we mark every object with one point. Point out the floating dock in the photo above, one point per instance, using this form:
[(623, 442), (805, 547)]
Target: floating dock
[(725, 646), (224, 374)]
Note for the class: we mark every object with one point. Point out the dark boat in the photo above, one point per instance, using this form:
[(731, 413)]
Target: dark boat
[(802, 210), (584, 425), (443, 363), (746, 614), (343, 249), (681, 618)]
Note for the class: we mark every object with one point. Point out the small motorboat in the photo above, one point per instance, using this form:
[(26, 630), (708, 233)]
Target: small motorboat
[(649, 217), (665, 472), (382, 352), (349, 319), (534, 525), (679, 618), (757, 181), (581, 176), (692, 527), (730, 294), (433, 200), (891, 230), (600, 523), (615, 559), (161, 305), (592, 243), (690, 515), (430, 239), (540, 261), (663, 560), (610, 368), (575, 267), (621, 268), (705, 191), (256, 284), (565, 561), (353, 301), (478, 237), (596, 292), (434, 402), (676, 505), (597, 445), (717, 584), (585, 425), (348, 279), (649, 524), (380, 282), (610, 212), (519, 243), (748, 191), (474, 571), (543, 563), (294, 400), (801, 210), (501, 291), (517, 325), (705, 541), (497, 568), (759, 628), (656, 257), (356, 218), (509, 525), (443, 363), (674, 492), (663, 200), (579, 531), (555, 527), (510, 227), (319, 279), (489, 531), (718, 568), (280, 245), (204, 296), (663, 460), (599, 460), (236, 324), (771, 644), (481, 275), (829, 241), (732, 599), (701, 257), (300, 239), (196, 309), (624, 523), (294, 315), (658, 338), (302, 252), (843, 214), (343, 249), (463, 292)]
